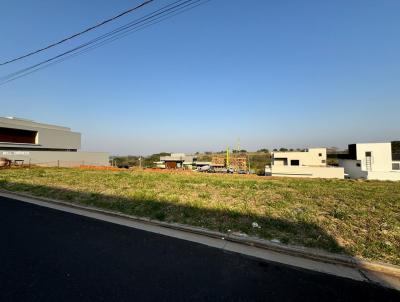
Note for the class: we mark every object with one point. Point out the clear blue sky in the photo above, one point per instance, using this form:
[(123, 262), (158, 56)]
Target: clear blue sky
[(273, 73)]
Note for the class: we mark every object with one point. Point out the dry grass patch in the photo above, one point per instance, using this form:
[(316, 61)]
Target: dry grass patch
[(360, 218)]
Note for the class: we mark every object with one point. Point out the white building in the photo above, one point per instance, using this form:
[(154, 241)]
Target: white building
[(25, 141), (309, 163), (371, 161)]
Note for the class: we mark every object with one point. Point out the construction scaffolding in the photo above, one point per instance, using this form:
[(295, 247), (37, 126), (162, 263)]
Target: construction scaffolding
[(218, 161), (236, 162)]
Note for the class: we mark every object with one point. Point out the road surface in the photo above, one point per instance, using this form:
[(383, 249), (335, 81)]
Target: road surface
[(50, 255)]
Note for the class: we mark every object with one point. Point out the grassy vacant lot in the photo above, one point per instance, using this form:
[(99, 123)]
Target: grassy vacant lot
[(360, 218)]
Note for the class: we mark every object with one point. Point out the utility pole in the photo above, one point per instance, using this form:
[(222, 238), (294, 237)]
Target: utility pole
[(227, 157)]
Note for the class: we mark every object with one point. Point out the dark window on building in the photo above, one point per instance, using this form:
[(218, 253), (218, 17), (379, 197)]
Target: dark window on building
[(352, 151), (323, 161), (320, 154), (358, 164), (396, 166), (368, 154), (19, 136), (396, 150), (294, 162)]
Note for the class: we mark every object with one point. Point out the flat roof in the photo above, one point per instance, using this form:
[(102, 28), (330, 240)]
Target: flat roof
[(15, 122)]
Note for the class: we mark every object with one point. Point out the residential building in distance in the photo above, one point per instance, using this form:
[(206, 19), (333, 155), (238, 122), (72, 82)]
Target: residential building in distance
[(372, 161), (308, 163), (177, 161), (28, 142)]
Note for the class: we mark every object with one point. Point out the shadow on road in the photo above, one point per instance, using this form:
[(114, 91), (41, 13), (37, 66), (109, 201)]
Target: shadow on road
[(288, 232)]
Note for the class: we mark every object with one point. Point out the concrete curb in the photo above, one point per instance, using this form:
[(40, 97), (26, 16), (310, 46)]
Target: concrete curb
[(297, 251)]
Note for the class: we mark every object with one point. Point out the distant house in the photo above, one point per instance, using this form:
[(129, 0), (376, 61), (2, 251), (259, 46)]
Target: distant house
[(202, 163), (177, 161), (28, 142), (308, 163), (372, 161)]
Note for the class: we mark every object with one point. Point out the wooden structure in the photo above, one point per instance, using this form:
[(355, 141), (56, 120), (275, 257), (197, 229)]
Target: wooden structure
[(238, 162), (218, 161), (171, 164), (235, 162)]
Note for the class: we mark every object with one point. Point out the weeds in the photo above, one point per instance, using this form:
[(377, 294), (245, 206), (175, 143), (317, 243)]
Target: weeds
[(361, 218)]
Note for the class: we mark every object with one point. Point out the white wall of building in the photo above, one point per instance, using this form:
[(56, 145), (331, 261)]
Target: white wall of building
[(312, 157), (307, 171), (381, 156), (388, 175), (381, 163), (351, 168), (311, 163)]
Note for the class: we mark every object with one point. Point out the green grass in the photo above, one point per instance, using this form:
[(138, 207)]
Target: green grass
[(360, 218)]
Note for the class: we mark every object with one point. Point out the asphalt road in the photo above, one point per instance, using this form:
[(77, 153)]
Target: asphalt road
[(49, 255)]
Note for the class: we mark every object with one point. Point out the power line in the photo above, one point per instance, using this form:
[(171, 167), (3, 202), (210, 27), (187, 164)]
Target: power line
[(77, 34), (155, 17), (170, 7), (101, 37), (130, 31)]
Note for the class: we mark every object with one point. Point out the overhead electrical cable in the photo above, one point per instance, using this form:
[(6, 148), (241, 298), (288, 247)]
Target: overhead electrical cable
[(157, 16), (77, 34), (124, 34), (113, 32), (112, 36)]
